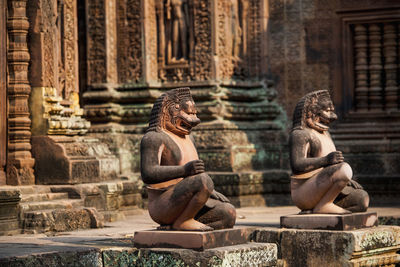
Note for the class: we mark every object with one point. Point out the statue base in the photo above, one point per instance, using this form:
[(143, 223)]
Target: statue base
[(249, 254), (192, 239), (375, 246), (330, 221)]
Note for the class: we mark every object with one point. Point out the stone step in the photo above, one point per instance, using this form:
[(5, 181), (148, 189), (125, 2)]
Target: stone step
[(61, 220), (43, 197), (51, 205), (33, 189)]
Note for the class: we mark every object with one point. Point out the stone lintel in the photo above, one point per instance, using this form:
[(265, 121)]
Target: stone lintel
[(330, 221), (191, 239)]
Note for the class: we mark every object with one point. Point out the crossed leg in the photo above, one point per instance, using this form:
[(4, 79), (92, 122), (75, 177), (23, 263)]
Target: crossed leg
[(179, 204), (318, 192), (217, 214), (354, 200)]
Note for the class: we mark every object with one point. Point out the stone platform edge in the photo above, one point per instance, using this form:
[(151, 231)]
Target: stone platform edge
[(192, 240), (343, 222)]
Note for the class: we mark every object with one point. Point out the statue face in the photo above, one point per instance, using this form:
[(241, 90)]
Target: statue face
[(182, 117), (321, 114)]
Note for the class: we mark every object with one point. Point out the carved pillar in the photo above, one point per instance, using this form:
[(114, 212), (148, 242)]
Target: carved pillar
[(150, 41), (389, 47), (69, 49), (19, 162), (3, 91), (375, 67), (361, 67), (398, 63), (101, 41)]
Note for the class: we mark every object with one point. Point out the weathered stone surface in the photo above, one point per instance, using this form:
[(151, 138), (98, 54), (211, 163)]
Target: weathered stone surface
[(9, 211), (191, 240), (61, 220), (74, 160), (65, 168), (240, 146), (111, 199), (330, 221), (255, 188), (376, 246), (250, 254), (83, 257)]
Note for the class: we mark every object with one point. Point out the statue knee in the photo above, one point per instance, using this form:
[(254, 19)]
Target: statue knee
[(346, 171), (363, 201), (230, 218), (204, 182), (228, 214), (343, 172)]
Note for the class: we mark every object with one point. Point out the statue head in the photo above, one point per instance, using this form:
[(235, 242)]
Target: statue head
[(315, 110), (174, 111)]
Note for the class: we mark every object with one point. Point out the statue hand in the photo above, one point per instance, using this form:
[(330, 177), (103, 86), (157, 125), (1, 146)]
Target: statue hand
[(218, 196), (334, 157), (194, 167)]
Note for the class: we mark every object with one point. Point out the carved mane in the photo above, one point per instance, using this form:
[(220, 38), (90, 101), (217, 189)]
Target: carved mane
[(306, 108), (163, 103)]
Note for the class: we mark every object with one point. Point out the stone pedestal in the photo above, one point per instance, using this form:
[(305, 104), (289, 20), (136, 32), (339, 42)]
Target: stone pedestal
[(227, 247), (9, 211), (250, 254), (67, 160), (376, 246), (330, 221), (191, 239)]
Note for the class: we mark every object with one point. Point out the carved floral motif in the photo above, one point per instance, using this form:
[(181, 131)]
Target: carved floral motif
[(96, 41), (130, 67)]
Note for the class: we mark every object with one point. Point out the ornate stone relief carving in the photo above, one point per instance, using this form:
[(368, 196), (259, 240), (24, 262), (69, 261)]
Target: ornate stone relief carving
[(184, 40), (55, 95), (130, 65), (52, 116), (96, 42), (19, 160), (69, 40)]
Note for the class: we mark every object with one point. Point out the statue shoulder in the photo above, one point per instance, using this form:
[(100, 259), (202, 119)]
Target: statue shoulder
[(300, 133), (153, 138)]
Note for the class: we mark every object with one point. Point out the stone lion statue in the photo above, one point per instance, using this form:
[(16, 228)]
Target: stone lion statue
[(321, 180), (181, 194)]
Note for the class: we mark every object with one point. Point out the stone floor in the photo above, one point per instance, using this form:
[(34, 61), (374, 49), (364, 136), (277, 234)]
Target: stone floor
[(120, 233)]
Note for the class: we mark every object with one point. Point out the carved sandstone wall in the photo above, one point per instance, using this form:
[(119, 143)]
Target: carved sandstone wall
[(217, 48), (350, 48)]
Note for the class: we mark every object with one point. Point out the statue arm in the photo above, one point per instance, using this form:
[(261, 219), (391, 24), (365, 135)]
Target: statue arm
[(150, 153), (299, 144)]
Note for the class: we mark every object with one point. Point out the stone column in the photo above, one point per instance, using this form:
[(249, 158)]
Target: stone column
[(19, 160)]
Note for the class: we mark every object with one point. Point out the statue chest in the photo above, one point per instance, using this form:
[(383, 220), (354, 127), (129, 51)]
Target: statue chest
[(182, 150), (325, 144)]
